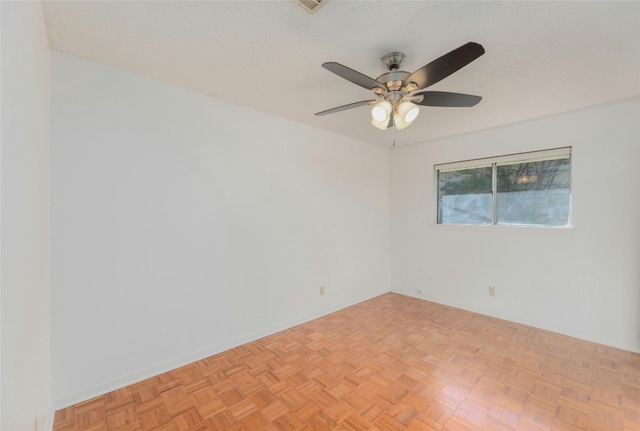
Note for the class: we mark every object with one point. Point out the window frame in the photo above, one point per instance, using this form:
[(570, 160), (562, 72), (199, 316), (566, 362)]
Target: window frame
[(494, 162)]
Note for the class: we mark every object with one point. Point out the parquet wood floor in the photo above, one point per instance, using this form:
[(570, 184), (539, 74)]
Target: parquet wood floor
[(390, 363)]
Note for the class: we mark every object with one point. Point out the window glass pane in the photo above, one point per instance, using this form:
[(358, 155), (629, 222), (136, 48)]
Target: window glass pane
[(534, 193), (464, 196)]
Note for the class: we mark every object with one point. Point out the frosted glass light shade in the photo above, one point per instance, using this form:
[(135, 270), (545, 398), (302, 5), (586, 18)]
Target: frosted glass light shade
[(381, 111), (408, 111), (399, 122), (404, 115), (382, 125)]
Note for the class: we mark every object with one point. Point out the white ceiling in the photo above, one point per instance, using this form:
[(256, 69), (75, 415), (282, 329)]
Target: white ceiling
[(542, 58)]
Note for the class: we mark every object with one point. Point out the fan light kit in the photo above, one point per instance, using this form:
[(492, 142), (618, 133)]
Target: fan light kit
[(398, 100)]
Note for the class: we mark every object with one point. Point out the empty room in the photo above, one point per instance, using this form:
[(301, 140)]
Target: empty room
[(310, 215)]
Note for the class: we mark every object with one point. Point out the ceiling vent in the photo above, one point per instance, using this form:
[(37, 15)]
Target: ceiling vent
[(310, 6)]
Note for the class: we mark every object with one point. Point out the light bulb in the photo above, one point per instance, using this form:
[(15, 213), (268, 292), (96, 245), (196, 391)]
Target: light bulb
[(381, 111)]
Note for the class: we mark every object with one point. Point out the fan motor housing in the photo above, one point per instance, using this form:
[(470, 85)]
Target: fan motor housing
[(393, 79)]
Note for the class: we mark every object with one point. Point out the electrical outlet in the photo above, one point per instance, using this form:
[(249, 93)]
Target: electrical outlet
[(492, 291), (321, 290)]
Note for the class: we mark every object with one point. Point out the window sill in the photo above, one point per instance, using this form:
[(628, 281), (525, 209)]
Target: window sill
[(475, 227)]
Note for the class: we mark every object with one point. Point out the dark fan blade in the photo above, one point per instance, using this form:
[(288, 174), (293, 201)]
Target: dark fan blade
[(444, 66), (345, 107), (443, 98), (353, 76)]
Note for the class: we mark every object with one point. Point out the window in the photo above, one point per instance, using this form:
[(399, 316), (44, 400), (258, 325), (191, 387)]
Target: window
[(528, 189)]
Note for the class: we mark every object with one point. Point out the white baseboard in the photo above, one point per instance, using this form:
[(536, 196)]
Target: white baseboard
[(146, 373)]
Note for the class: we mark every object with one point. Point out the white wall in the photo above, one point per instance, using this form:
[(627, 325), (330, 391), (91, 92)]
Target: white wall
[(24, 219), (583, 282), (183, 225)]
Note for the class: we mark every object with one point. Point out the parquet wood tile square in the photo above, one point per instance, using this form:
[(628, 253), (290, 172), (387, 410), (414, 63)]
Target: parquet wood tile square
[(388, 364)]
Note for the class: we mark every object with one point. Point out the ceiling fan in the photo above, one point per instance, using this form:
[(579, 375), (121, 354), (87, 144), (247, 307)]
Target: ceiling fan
[(397, 91)]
